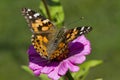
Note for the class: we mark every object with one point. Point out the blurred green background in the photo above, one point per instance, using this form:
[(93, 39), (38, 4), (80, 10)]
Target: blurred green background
[(102, 15)]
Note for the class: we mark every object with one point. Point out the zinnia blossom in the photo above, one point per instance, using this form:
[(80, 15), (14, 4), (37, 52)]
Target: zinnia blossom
[(78, 49)]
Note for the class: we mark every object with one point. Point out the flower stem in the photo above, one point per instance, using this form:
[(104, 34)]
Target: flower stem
[(69, 76), (46, 8)]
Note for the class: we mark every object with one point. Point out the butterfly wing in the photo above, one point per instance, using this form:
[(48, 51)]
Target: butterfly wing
[(62, 48), (37, 23), (43, 30), (44, 38)]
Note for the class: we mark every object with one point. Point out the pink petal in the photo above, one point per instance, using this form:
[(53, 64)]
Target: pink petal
[(77, 59), (34, 66), (54, 74), (72, 67), (81, 39), (80, 46), (87, 49), (47, 69), (37, 72), (62, 68)]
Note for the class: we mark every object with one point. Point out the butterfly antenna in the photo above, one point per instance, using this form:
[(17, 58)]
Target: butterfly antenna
[(75, 21)]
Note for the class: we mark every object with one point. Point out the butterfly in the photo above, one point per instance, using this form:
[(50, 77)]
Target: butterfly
[(49, 42)]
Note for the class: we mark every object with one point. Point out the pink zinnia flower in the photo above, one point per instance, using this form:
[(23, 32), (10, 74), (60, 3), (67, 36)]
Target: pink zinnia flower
[(79, 48)]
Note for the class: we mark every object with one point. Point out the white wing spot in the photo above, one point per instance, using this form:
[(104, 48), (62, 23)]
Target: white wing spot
[(85, 31), (32, 40), (28, 10), (81, 32), (32, 36), (88, 27), (30, 17), (45, 21), (36, 14), (82, 28)]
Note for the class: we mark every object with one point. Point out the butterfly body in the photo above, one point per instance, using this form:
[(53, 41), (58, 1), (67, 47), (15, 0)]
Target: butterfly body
[(49, 42)]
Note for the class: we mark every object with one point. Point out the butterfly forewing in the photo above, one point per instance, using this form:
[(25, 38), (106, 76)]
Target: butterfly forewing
[(37, 23), (62, 47), (43, 30)]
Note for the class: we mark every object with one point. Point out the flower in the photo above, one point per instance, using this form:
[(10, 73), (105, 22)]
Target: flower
[(78, 48)]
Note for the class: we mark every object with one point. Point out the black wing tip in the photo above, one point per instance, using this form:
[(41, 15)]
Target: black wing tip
[(24, 10), (84, 29), (89, 28)]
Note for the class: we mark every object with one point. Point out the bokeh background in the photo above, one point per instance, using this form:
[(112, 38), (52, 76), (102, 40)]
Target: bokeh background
[(102, 15)]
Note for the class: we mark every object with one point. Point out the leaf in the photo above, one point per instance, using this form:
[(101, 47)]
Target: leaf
[(26, 68), (99, 79), (43, 77), (84, 69), (55, 9)]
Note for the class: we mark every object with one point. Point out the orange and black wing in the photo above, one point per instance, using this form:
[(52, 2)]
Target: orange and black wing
[(62, 48), (42, 28)]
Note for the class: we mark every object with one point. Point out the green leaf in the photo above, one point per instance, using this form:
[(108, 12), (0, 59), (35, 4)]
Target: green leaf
[(26, 68), (43, 77), (55, 9), (99, 79), (84, 69)]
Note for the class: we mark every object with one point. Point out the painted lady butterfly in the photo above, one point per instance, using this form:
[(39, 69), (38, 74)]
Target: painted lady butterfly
[(49, 42)]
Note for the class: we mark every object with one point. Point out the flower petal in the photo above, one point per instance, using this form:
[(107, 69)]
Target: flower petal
[(72, 67), (87, 48), (34, 66), (37, 72), (49, 67), (80, 46), (62, 68), (54, 74), (81, 39), (76, 48), (77, 59), (31, 50)]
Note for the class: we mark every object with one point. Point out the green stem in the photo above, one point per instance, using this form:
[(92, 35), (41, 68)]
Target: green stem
[(69, 76), (46, 8)]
